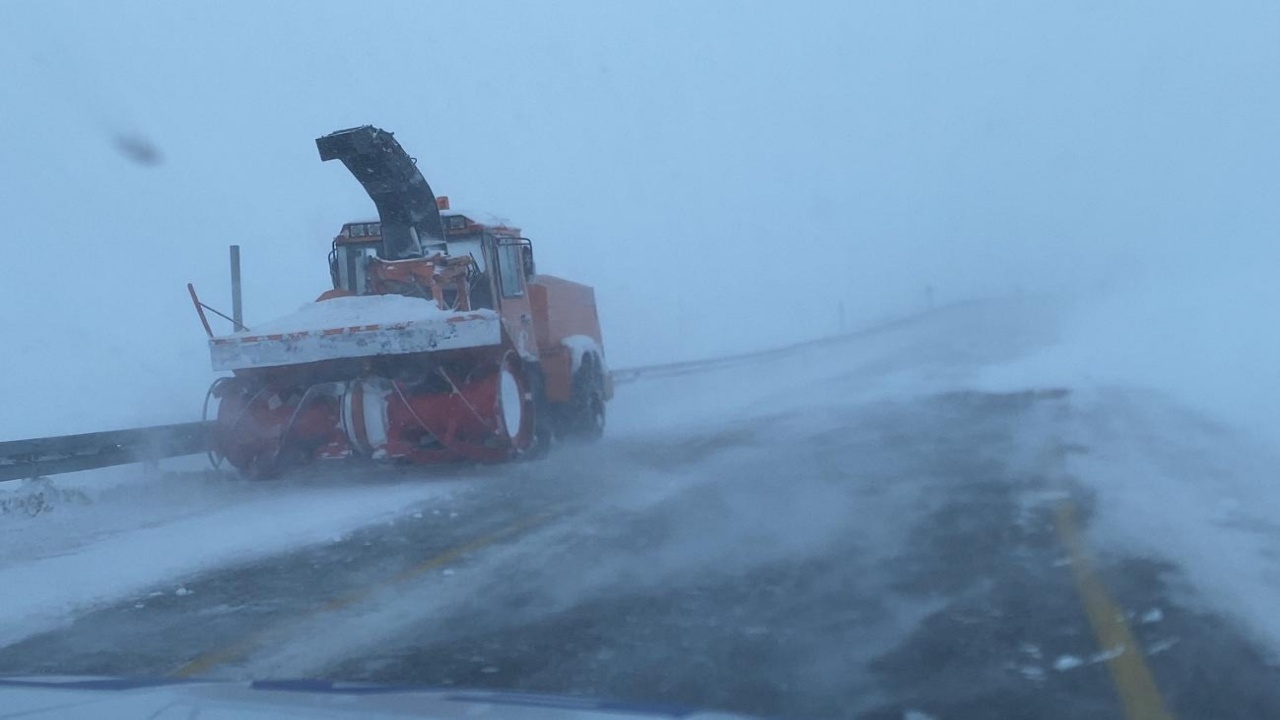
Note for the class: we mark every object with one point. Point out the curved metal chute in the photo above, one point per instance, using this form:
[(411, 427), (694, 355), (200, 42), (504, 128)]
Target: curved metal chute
[(406, 206)]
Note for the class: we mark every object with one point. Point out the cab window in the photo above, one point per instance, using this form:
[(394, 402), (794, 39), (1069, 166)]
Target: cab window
[(509, 274)]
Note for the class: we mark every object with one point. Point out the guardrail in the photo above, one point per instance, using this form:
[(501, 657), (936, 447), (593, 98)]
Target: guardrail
[(22, 459), (630, 375)]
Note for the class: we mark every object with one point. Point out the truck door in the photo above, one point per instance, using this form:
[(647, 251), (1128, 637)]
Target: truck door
[(514, 292)]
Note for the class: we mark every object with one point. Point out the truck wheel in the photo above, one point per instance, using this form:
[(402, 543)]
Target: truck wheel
[(543, 429), (593, 428), (588, 401)]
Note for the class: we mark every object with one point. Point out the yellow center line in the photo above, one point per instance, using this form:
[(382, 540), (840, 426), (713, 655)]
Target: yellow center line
[(207, 661), (1129, 671)]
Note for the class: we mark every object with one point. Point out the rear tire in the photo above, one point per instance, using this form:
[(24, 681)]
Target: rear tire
[(594, 422), (587, 413)]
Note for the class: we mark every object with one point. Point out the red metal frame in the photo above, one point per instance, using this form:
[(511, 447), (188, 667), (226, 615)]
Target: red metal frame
[(271, 420)]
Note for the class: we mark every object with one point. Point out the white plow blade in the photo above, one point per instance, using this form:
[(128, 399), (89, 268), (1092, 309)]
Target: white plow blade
[(451, 331)]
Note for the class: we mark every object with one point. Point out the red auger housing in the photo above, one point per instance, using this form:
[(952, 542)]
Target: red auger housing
[(437, 343)]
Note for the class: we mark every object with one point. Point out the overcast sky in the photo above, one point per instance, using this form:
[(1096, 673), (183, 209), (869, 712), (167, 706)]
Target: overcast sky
[(725, 174)]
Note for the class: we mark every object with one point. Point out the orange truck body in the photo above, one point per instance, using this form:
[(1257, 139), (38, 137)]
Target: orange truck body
[(563, 309)]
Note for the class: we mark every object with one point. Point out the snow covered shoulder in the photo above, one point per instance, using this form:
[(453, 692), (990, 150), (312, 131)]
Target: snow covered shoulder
[(358, 326)]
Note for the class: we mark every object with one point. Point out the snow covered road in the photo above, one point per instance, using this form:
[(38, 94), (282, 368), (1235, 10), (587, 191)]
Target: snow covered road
[(860, 529)]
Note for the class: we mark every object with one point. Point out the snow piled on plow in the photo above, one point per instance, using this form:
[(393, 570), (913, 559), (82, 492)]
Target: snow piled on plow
[(355, 311), (353, 327)]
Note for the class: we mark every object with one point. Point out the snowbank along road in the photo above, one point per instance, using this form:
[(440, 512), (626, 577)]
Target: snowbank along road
[(897, 524)]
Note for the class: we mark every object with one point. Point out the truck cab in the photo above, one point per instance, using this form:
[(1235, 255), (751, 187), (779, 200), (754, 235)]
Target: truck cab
[(490, 265), (501, 261)]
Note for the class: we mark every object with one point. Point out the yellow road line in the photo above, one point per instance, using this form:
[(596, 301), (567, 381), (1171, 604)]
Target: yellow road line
[(206, 662), (1129, 671)]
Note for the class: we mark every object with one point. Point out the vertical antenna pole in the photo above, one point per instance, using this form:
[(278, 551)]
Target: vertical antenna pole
[(237, 311)]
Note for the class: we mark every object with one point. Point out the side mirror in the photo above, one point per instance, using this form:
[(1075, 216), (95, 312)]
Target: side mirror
[(526, 255)]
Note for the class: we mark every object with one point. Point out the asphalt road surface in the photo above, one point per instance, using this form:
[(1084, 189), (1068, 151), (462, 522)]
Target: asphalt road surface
[(876, 561)]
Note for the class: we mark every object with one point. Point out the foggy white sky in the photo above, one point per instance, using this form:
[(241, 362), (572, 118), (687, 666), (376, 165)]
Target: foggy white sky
[(723, 173)]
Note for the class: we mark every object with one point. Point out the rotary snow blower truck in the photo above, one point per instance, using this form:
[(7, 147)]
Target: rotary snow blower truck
[(437, 343)]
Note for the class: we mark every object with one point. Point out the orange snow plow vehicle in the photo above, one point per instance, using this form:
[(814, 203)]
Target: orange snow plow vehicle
[(438, 341)]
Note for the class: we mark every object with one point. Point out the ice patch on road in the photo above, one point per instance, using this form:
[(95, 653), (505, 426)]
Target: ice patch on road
[(1107, 655), (1067, 662), (1034, 673)]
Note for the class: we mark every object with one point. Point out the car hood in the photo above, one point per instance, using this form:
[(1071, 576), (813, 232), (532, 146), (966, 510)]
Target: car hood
[(108, 698)]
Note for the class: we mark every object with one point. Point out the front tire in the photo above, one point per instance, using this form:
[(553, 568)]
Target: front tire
[(543, 432)]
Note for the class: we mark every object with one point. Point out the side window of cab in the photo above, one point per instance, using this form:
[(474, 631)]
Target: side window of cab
[(510, 276)]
